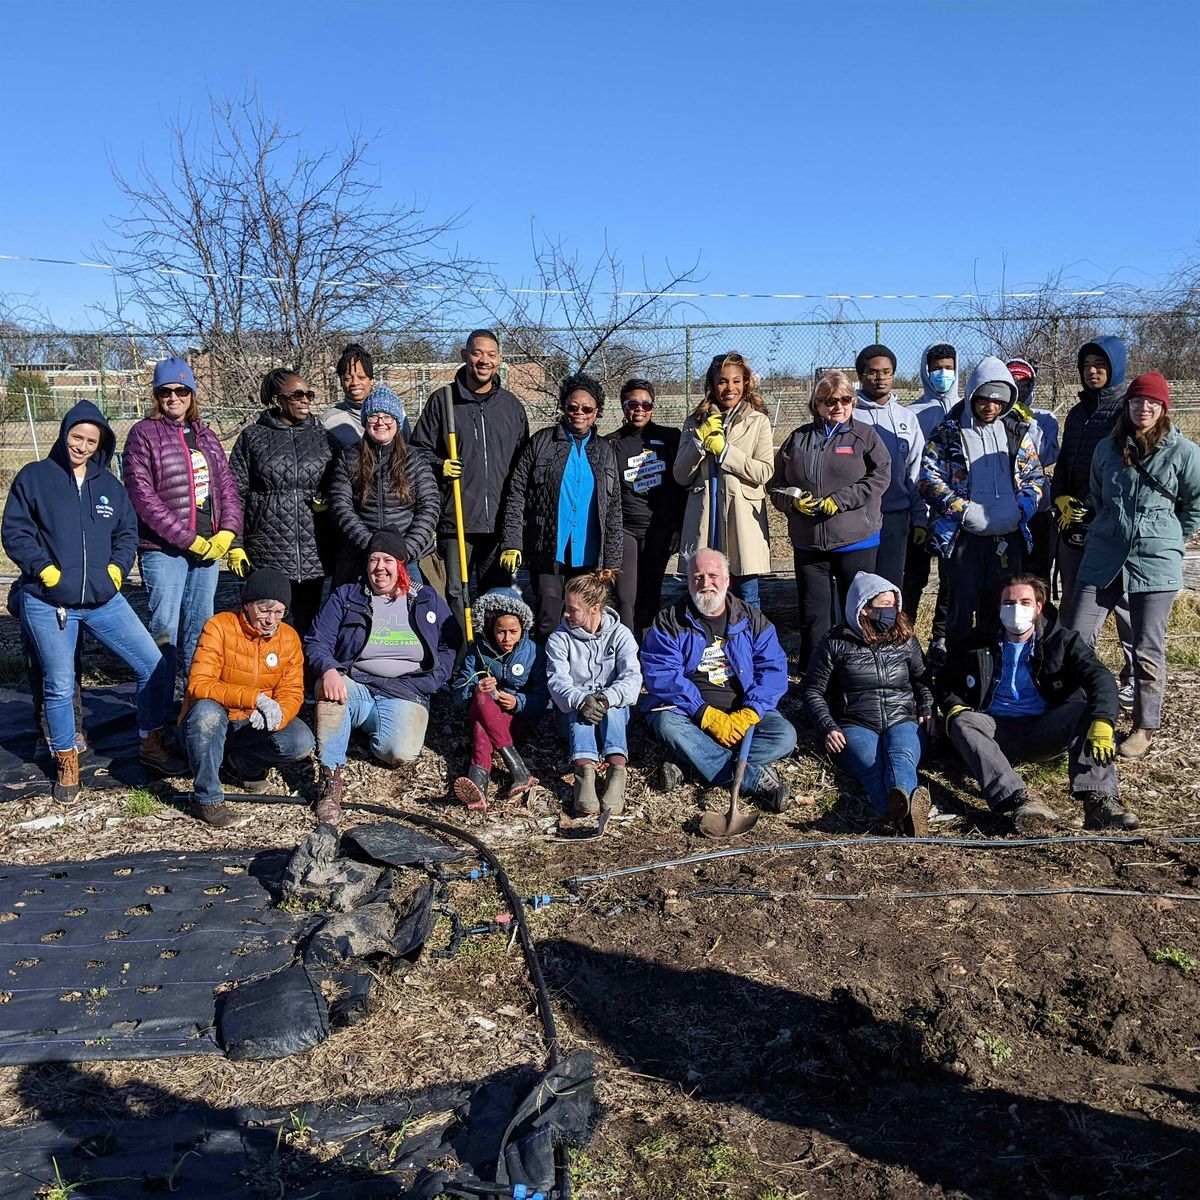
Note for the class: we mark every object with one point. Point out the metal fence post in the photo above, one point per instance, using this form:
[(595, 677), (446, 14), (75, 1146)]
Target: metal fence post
[(100, 360), (1054, 377), (687, 368), (32, 429)]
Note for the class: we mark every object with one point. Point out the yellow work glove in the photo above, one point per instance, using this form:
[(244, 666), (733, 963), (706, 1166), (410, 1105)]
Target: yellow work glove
[(510, 560), (239, 563), (219, 545), (50, 576), (1023, 411), (200, 547), (806, 504), (827, 506), (715, 444), (710, 425), (114, 573), (954, 711), (1100, 744), (742, 720), (1070, 511), (452, 468), (719, 725), (920, 535), (319, 504)]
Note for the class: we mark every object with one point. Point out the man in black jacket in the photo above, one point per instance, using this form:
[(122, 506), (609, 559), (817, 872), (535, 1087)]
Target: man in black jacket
[(492, 430), (1033, 689)]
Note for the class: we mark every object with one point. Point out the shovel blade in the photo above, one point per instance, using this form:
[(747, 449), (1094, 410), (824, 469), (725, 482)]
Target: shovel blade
[(720, 825)]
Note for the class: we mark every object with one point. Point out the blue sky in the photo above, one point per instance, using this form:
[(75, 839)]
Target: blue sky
[(862, 147)]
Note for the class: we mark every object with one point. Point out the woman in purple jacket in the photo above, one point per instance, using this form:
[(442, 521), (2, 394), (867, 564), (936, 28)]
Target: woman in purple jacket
[(188, 511)]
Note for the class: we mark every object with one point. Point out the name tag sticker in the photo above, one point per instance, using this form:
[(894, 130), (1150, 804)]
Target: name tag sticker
[(843, 450)]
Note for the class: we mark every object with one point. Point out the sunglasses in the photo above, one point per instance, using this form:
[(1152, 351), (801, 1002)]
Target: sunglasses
[(580, 408), (638, 405), (173, 393), (298, 394)]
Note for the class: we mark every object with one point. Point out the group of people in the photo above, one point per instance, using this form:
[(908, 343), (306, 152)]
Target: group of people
[(357, 524)]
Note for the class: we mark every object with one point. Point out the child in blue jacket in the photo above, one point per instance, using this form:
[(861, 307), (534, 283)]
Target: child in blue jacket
[(502, 683)]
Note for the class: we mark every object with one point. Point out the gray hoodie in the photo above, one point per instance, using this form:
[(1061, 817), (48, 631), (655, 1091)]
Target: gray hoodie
[(579, 663), (933, 407), (863, 589), (900, 433), (992, 508)]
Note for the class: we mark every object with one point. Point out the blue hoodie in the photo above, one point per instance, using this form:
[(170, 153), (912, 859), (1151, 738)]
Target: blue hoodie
[(49, 520), (521, 672)]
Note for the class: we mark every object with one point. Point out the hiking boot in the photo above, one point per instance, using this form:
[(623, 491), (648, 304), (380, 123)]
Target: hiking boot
[(329, 795), (158, 756), (472, 787), (669, 777), (1031, 815), (585, 799), (522, 781), (614, 789), (919, 808), (1101, 811), (772, 791), (234, 779), (1136, 744), (1125, 694), (897, 808), (219, 816), (66, 785)]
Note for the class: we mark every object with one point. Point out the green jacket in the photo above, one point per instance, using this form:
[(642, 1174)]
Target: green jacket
[(1138, 531)]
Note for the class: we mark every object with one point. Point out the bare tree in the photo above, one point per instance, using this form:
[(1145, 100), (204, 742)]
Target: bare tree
[(1167, 336), (257, 251), (580, 315)]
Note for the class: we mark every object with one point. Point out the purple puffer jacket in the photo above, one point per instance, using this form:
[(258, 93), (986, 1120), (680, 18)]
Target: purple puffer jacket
[(157, 469)]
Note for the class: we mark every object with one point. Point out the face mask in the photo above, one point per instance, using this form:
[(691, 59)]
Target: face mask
[(1017, 618), (885, 618), (941, 381)]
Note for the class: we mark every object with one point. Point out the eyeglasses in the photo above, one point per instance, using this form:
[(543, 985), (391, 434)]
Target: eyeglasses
[(298, 394), (879, 374), (638, 405), (376, 418), (173, 393), (580, 408)]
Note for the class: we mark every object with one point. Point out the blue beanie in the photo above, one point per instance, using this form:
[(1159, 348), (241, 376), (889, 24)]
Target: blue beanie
[(383, 400)]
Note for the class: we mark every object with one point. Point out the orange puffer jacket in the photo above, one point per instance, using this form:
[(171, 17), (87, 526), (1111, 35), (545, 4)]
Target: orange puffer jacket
[(233, 663)]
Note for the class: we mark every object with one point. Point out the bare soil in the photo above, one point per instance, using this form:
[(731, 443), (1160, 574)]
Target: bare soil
[(763, 1047)]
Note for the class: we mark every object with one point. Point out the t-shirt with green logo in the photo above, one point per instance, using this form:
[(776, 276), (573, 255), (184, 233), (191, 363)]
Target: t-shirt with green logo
[(393, 648)]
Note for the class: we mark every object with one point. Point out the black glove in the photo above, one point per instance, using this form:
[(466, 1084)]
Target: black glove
[(592, 709)]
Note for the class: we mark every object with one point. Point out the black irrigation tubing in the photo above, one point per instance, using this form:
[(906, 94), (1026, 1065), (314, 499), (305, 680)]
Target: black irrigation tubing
[(763, 894), (576, 881)]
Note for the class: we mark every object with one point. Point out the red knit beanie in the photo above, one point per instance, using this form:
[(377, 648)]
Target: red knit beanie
[(1152, 385)]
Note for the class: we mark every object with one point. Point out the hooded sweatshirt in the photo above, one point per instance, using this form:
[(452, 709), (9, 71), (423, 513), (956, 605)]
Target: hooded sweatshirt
[(992, 505), (1089, 421), (864, 587), (933, 407), (52, 519), (901, 434), (521, 672), (579, 663)]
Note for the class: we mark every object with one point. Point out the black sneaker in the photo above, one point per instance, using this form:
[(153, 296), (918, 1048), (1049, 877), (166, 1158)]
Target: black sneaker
[(669, 777), (772, 791), (1101, 811)]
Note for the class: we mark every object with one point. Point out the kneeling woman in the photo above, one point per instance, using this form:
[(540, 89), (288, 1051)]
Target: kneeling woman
[(867, 694), (594, 679), (501, 682)]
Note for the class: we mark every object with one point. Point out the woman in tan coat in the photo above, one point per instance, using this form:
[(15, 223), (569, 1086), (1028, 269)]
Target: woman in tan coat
[(728, 437)]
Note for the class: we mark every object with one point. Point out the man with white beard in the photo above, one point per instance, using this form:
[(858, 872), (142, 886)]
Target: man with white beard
[(713, 669)]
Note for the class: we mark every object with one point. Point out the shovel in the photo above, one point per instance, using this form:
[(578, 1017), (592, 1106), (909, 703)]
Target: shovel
[(734, 822)]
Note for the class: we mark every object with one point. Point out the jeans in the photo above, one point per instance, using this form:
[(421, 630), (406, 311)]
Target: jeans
[(745, 588), (180, 593), (114, 625), (892, 550), (1067, 558), (881, 762), (492, 729), (1147, 614), (689, 746), (396, 728), (590, 743), (917, 564), (817, 571), (987, 744), (212, 738)]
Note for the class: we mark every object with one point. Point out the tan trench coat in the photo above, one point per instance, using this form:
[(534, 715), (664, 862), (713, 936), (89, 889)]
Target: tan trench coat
[(742, 477)]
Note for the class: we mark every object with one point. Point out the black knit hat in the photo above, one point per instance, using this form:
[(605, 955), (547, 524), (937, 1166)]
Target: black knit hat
[(387, 541), (865, 355), (265, 583)]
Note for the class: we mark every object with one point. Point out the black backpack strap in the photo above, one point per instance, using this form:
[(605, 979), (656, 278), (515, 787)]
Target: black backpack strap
[(1149, 479)]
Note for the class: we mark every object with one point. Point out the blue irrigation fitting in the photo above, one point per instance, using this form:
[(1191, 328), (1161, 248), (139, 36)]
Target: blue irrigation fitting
[(543, 901)]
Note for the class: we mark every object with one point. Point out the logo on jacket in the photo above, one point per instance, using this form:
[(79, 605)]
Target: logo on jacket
[(272, 660), (518, 668), (104, 508)]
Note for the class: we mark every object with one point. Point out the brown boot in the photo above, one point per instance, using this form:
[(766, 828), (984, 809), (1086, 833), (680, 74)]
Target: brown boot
[(329, 795), (1136, 744), (158, 756), (219, 816), (66, 786)]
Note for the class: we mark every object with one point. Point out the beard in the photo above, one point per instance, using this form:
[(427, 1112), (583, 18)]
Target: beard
[(710, 603)]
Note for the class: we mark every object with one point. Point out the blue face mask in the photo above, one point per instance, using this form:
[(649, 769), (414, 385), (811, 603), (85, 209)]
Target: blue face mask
[(941, 381)]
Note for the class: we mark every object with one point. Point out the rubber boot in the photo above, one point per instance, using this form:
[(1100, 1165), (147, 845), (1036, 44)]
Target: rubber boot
[(329, 795), (614, 790), (472, 787), (66, 786), (897, 809), (586, 800), (522, 781)]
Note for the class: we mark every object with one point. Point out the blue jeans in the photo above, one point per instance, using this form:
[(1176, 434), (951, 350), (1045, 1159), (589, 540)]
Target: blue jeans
[(689, 746), (590, 743), (212, 738), (180, 594), (745, 588), (881, 763), (114, 625), (395, 727)]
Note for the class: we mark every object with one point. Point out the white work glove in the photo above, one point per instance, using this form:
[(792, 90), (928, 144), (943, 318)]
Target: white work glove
[(267, 714)]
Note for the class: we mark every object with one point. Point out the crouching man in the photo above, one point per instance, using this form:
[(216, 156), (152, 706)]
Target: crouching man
[(1032, 689), (713, 669), (244, 692), (379, 648)]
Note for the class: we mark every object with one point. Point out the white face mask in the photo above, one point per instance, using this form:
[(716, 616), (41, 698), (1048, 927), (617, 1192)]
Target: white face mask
[(1017, 618)]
